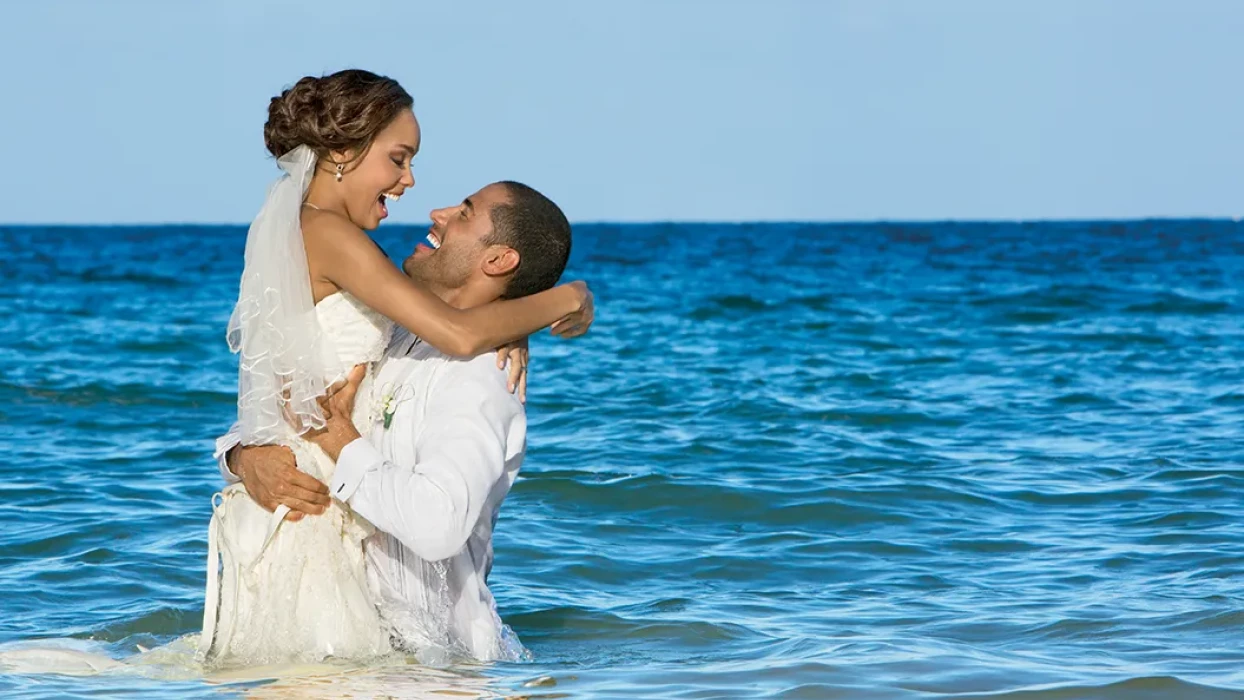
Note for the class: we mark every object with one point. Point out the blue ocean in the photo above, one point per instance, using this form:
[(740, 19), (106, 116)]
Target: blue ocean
[(944, 460)]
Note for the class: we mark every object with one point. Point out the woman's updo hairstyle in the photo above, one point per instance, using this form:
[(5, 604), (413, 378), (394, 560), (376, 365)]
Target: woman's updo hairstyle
[(339, 112)]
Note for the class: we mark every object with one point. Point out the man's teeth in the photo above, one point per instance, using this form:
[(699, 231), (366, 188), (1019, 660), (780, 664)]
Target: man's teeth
[(433, 242)]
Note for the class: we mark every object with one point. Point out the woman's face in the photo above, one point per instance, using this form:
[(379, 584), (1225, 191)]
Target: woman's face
[(383, 174)]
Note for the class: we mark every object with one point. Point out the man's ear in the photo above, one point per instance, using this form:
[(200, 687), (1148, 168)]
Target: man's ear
[(499, 260)]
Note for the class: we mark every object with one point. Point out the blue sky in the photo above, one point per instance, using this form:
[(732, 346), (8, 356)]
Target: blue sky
[(128, 111)]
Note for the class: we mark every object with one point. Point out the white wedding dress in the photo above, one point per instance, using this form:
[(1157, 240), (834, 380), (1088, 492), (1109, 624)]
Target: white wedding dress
[(296, 592), (288, 596), (277, 592)]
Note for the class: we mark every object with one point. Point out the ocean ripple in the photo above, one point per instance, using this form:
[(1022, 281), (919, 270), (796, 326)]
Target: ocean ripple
[(791, 460)]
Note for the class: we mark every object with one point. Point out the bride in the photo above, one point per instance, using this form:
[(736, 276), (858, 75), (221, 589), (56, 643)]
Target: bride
[(318, 297)]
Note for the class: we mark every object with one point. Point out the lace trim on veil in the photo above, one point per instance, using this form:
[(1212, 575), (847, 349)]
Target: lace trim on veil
[(283, 355)]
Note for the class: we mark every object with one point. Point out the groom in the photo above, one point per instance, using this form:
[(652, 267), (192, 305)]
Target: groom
[(432, 472)]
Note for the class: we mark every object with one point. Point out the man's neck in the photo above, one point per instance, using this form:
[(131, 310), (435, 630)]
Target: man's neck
[(465, 297)]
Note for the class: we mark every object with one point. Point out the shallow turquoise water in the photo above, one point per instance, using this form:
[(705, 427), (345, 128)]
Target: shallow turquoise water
[(798, 461)]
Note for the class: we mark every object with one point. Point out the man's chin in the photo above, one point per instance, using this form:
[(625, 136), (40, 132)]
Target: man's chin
[(411, 267)]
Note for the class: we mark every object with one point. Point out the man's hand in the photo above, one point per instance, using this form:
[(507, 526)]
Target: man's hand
[(338, 406), (577, 323), (271, 477)]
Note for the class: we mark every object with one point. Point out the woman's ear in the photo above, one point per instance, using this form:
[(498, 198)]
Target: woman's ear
[(349, 160)]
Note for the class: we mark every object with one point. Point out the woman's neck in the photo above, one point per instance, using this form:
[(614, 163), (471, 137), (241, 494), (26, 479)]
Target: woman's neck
[(325, 194)]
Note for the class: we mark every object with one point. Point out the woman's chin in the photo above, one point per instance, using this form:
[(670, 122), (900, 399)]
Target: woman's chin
[(378, 217)]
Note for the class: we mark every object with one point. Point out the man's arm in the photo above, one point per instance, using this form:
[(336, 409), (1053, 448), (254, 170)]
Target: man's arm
[(270, 475), (470, 429)]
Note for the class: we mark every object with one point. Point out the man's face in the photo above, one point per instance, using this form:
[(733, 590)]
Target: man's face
[(459, 233)]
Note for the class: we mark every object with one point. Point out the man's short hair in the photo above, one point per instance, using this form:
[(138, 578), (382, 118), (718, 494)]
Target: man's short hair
[(536, 228)]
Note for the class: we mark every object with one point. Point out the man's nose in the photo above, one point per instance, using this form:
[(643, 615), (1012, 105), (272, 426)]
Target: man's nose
[(438, 215)]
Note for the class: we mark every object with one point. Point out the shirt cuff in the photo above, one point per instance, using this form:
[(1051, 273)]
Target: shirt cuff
[(355, 460), (224, 443)]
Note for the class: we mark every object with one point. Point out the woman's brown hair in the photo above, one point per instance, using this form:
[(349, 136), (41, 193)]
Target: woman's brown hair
[(339, 112)]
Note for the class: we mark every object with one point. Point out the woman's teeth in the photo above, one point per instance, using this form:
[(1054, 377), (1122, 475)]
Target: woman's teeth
[(385, 198)]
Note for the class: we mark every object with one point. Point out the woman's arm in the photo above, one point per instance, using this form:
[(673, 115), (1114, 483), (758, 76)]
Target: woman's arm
[(347, 257)]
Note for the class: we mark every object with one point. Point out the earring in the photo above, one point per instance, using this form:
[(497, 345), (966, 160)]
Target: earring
[(340, 168)]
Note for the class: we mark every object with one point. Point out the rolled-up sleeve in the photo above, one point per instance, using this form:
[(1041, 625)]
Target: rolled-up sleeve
[(224, 443), (432, 506)]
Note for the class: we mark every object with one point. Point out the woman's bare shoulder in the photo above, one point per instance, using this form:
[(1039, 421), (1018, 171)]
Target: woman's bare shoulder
[(327, 230), (335, 245)]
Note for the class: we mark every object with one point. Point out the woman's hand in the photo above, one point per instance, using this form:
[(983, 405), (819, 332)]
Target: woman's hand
[(515, 355), (577, 323)]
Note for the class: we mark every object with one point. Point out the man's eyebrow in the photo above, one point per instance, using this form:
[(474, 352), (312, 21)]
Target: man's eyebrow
[(469, 205)]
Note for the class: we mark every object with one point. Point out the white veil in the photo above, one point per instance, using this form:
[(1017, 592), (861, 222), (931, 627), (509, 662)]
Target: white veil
[(274, 327)]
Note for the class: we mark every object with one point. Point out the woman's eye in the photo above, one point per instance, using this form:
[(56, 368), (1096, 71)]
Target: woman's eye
[(397, 162)]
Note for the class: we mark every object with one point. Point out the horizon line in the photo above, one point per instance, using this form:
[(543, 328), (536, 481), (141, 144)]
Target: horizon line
[(686, 222)]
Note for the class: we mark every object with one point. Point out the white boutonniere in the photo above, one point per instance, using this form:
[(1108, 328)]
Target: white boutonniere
[(390, 405), (390, 398)]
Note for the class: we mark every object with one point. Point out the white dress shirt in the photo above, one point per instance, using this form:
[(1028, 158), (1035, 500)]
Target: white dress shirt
[(432, 483)]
